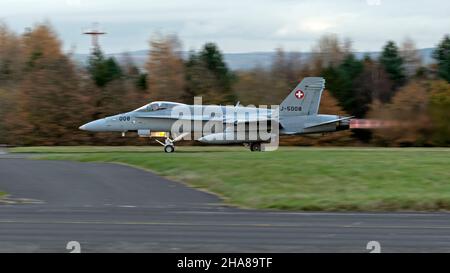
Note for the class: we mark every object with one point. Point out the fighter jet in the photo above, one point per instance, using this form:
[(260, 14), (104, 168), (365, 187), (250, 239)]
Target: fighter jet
[(296, 115)]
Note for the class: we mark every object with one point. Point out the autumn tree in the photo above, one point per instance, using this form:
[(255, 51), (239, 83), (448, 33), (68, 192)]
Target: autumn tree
[(329, 51), (408, 115), (165, 66), (287, 66), (255, 87), (49, 104), (286, 72), (280, 84), (341, 69), (411, 58)]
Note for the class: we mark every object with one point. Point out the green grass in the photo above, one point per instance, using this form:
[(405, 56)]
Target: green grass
[(318, 179)]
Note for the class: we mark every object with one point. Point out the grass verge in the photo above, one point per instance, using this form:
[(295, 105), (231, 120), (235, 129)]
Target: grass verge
[(312, 179)]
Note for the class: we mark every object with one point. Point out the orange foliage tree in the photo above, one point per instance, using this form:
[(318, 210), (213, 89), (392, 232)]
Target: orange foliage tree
[(49, 106), (409, 115), (165, 66)]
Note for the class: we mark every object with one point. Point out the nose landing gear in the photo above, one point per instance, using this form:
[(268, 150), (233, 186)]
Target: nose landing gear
[(168, 144)]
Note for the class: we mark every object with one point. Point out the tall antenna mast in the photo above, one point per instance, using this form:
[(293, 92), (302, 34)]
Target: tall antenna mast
[(94, 32)]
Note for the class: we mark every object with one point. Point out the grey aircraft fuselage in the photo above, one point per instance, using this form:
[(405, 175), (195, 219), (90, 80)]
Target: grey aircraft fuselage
[(133, 121)]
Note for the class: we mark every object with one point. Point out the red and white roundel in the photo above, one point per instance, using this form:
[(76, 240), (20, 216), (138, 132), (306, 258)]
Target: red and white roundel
[(299, 94)]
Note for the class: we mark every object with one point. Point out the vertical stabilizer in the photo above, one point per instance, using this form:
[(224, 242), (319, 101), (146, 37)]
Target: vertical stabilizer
[(304, 99)]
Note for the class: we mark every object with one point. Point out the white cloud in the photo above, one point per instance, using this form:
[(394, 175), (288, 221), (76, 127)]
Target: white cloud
[(315, 24)]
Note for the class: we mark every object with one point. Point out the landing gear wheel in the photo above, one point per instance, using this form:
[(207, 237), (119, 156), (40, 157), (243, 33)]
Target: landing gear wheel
[(255, 147), (169, 148)]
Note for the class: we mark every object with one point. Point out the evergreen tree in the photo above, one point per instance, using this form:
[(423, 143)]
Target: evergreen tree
[(439, 110), (372, 84), (10, 57), (133, 74), (141, 81), (103, 70), (393, 63), (213, 58), (341, 83), (10, 75), (207, 75), (442, 56)]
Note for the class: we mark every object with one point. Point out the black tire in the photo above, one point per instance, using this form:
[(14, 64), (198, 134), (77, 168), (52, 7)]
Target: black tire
[(169, 149), (255, 147)]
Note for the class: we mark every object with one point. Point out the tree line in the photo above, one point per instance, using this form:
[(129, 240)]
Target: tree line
[(45, 96)]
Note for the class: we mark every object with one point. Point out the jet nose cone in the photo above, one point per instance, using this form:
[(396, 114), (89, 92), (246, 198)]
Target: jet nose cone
[(94, 126)]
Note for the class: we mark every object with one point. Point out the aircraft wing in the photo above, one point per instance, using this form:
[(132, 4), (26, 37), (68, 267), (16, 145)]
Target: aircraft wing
[(327, 122), (208, 118), (187, 117)]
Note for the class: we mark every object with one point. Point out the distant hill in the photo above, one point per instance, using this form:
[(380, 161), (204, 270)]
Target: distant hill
[(245, 61)]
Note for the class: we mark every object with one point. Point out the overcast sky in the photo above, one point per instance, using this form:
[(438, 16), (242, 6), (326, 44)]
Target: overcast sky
[(236, 25)]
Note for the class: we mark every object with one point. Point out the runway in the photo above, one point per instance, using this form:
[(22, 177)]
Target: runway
[(115, 208)]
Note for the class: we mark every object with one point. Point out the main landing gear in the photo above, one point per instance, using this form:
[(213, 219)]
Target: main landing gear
[(169, 147), (255, 147)]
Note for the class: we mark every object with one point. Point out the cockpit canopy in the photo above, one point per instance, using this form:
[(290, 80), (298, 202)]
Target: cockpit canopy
[(157, 106)]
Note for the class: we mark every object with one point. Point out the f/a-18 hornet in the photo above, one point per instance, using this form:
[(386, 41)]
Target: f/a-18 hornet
[(213, 124)]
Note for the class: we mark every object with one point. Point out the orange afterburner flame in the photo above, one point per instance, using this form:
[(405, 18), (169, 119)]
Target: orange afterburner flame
[(373, 124)]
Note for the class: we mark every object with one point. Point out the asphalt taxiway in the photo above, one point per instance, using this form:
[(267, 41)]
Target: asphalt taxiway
[(116, 208)]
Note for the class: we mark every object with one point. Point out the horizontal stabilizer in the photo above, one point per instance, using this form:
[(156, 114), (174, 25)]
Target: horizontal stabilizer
[(327, 122), (246, 120)]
